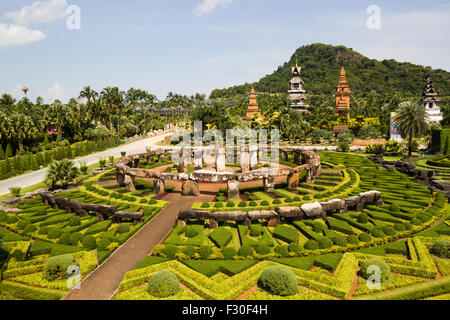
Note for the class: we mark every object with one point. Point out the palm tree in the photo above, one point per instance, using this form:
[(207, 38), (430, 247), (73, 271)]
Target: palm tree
[(411, 122), (22, 128), (61, 174), (58, 115), (7, 100), (91, 96)]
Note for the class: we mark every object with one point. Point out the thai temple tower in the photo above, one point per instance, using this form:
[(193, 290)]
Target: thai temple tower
[(296, 91), (343, 96), (252, 105), (429, 101)]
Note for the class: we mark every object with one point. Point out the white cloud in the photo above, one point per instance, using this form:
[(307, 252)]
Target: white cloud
[(56, 92), (14, 35), (207, 6), (39, 12)]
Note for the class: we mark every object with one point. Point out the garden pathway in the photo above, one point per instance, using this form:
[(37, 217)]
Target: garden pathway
[(35, 177), (104, 281)]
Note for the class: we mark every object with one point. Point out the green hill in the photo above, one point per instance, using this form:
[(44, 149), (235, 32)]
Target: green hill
[(322, 63)]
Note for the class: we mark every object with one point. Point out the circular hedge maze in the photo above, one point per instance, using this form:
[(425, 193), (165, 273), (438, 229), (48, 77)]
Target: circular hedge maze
[(227, 259)]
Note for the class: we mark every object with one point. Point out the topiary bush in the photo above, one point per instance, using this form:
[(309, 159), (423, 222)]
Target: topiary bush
[(190, 232), (276, 201), (163, 284), (311, 245), (389, 231), (318, 227), (384, 268), (416, 222), (123, 228), (294, 248), (54, 234), (364, 237), (395, 207), (399, 227), (64, 238), (230, 204), (353, 239), (441, 249), (74, 221), (262, 249), (363, 218), (89, 242), (170, 251), (256, 230), (56, 267), (189, 251), (75, 238), (279, 280), (242, 204), (245, 251), (340, 241), (229, 253), (205, 205), (282, 251), (325, 243), (205, 252), (30, 228), (377, 233), (22, 224), (103, 243), (12, 219)]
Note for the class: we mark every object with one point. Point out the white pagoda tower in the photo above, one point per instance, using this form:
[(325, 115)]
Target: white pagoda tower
[(296, 91), (429, 101)]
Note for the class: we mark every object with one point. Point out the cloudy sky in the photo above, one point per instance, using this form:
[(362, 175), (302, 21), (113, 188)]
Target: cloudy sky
[(189, 46)]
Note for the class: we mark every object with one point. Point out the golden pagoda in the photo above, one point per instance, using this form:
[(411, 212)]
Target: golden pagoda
[(252, 105), (343, 96)]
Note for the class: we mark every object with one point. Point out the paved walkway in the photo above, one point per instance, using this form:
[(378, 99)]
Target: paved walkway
[(104, 281), (35, 177)]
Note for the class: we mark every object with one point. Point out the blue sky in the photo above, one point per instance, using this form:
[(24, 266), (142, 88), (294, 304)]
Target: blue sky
[(189, 46)]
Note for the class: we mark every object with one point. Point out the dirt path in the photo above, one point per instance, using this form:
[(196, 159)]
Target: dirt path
[(102, 283)]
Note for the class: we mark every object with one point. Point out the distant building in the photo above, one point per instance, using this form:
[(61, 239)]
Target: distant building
[(343, 96), (429, 101), (296, 91), (252, 105)]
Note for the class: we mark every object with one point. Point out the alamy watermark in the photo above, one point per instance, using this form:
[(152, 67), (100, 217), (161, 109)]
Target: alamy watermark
[(374, 280), (73, 21), (374, 20), (74, 280)]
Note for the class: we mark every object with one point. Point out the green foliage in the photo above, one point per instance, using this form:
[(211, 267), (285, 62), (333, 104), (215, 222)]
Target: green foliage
[(256, 230), (364, 237), (74, 221), (441, 249), (325, 243), (282, 251), (279, 280), (245, 251), (285, 233), (229, 253), (170, 251), (163, 284), (57, 267), (262, 249), (221, 237), (294, 248), (311, 245), (62, 174), (189, 251), (89, 242), (205, 252), (353, 239), (384, 268)]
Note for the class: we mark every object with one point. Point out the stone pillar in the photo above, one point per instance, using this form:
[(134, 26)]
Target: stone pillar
[(292, 180), (149, 159), (130, 183), (269, 183), (120, 179), (220, 160), (233, 189), (158, 186), (213, 223), (310, 178), (297, 157), (190, 188), (136, 163), (100, 217), (230, 155), (245, 160), (254, 158), (283, 155), (184, 165), (198, 160), (379, 202), (207, 158), (247, 222)]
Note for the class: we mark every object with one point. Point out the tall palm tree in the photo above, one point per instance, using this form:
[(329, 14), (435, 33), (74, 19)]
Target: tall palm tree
[(91, 96), (22, 128), (58, 116), (411, 120)]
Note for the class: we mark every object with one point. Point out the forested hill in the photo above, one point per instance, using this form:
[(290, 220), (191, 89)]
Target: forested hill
[(321, 65)]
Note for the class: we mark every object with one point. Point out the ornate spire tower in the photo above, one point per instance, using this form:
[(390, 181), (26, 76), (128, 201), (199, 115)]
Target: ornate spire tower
[(252, 105), (343, 96), (429, 101), (296, 91)]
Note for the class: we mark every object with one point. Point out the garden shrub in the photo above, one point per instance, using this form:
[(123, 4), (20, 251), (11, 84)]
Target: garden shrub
[(190, 232), (441, 249), (54, 234), (307, 198), (12, 219), (205, 205), (279, 280), (245, 251), (103, 243), (123, 228), (325, 243), (395, 207), (399, 227), (340, 241), (276, 201), (30, 228), (408, 225), (221, 237), (3, 252), (75, 238), (353, 239), (262, 249), (22, 224), (56, 267), (363, 217), (264, 203), (424, 217), (294, 248), (242, 204), (389, 231), (74, 221), (163, 284), (380, 263), (229, 253), (285, 233), (416, 222), (253, 204), (311, 245), (256, 230), (377, 233), (230, 204), (282, 251), (189, 251), (43, 230), (219, 205), (318, 227), (89, 242), (364, 237), (205, 252), (64, 238), (170, 251)]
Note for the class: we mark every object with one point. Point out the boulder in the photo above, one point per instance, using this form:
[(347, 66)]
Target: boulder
[(290, 212), (312, 210), (158, 186), (263, 214), (190, 188), (333, 205), (194, 214), (233, 189)]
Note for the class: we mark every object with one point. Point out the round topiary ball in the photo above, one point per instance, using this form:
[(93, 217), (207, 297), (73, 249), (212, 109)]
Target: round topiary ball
[(377, 233), (12, 220), (245, 251), (190, 232), (395, 207), (276, 201), (441, 249), (389, 231), (399, 227), (318, 227), (123, 228), (282, 251), (325, 243), (56, 267), (230, 204), (262, 249), (363, 218), (340, 241), (353, 239), (311, 245), (103, 243), (294, 248), (279, 280), (364, 237), (89, 242), (163, 284), (367, 268), (75, 221), (229, 253), (189, 251)]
